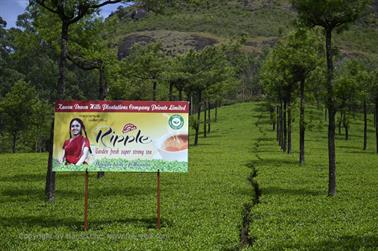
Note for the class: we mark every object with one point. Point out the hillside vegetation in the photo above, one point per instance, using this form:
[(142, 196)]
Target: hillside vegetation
[(258, 23)]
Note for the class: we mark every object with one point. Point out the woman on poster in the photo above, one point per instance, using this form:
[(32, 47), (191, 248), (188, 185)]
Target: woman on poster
[(77, 148)]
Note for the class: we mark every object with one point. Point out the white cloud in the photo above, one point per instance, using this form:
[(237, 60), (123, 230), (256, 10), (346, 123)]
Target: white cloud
[(22, 3)]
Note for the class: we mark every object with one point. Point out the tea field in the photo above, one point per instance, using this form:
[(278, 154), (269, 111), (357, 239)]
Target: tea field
[(200, 210), (294, 212), (205, 208)]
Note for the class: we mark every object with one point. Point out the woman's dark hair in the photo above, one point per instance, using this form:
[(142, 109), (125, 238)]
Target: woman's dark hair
[(81, 129)]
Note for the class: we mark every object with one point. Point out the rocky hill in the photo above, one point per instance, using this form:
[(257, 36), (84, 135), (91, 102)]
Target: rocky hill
[(259, 23)]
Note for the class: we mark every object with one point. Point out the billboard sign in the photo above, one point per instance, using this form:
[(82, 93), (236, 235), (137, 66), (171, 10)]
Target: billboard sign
[(121, 136)]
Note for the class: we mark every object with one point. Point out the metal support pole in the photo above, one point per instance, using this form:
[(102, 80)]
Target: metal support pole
[(158, 201), (86, 201)]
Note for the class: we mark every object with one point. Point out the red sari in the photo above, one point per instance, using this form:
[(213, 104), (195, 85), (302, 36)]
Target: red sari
[(74, 148)]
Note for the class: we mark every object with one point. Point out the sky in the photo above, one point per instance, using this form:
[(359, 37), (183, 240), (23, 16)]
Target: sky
[(10, 9)]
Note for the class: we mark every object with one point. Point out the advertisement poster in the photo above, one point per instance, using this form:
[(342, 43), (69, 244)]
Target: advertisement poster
[(121, 136)]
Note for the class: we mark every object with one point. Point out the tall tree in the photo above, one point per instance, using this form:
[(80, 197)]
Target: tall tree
[(89, 51), (330, 15), (176, 76), (205, 70), (146, 63), (272, 82), (8, 75), (33, 57), (69, 12), (349, 90), (297, 57), (17, 109)]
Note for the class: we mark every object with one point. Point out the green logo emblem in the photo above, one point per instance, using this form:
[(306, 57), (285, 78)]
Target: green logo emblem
[(176, 122)]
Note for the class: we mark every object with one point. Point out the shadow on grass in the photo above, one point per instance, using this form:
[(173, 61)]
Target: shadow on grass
[(270, 139), (341, 138), (344, 243), (32, 221), (349, 147), (263, 120), (267, 151), (279, 162), (24, 177), (282, 191), (211, 136), (32, 194), (124, 191), (230, 247), (200, 144), (266, 144), (363, 152), (260, 108), (41, 177)]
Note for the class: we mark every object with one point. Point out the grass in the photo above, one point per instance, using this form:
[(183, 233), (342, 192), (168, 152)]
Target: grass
[(200, 210), (294, 211)]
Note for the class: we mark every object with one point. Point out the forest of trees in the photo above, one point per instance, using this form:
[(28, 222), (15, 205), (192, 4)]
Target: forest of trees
[(302, 66), (60, 52)]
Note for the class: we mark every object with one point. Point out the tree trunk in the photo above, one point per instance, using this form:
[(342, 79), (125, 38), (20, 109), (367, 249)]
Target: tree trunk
[(289, 125), (272, 118), (284, 122), (325, 114), (278, 124), (208, 118), (190, 97), (50, 176), (205, 120), (346, 126), (103, 92), (281, 125), (154, 90), (14, 139), (180, 94), (170, 94), (198, 118), (63, 58), (376, 124), (301, 125), (216, 112), (271, 111), (365, 125), (331, 116)]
